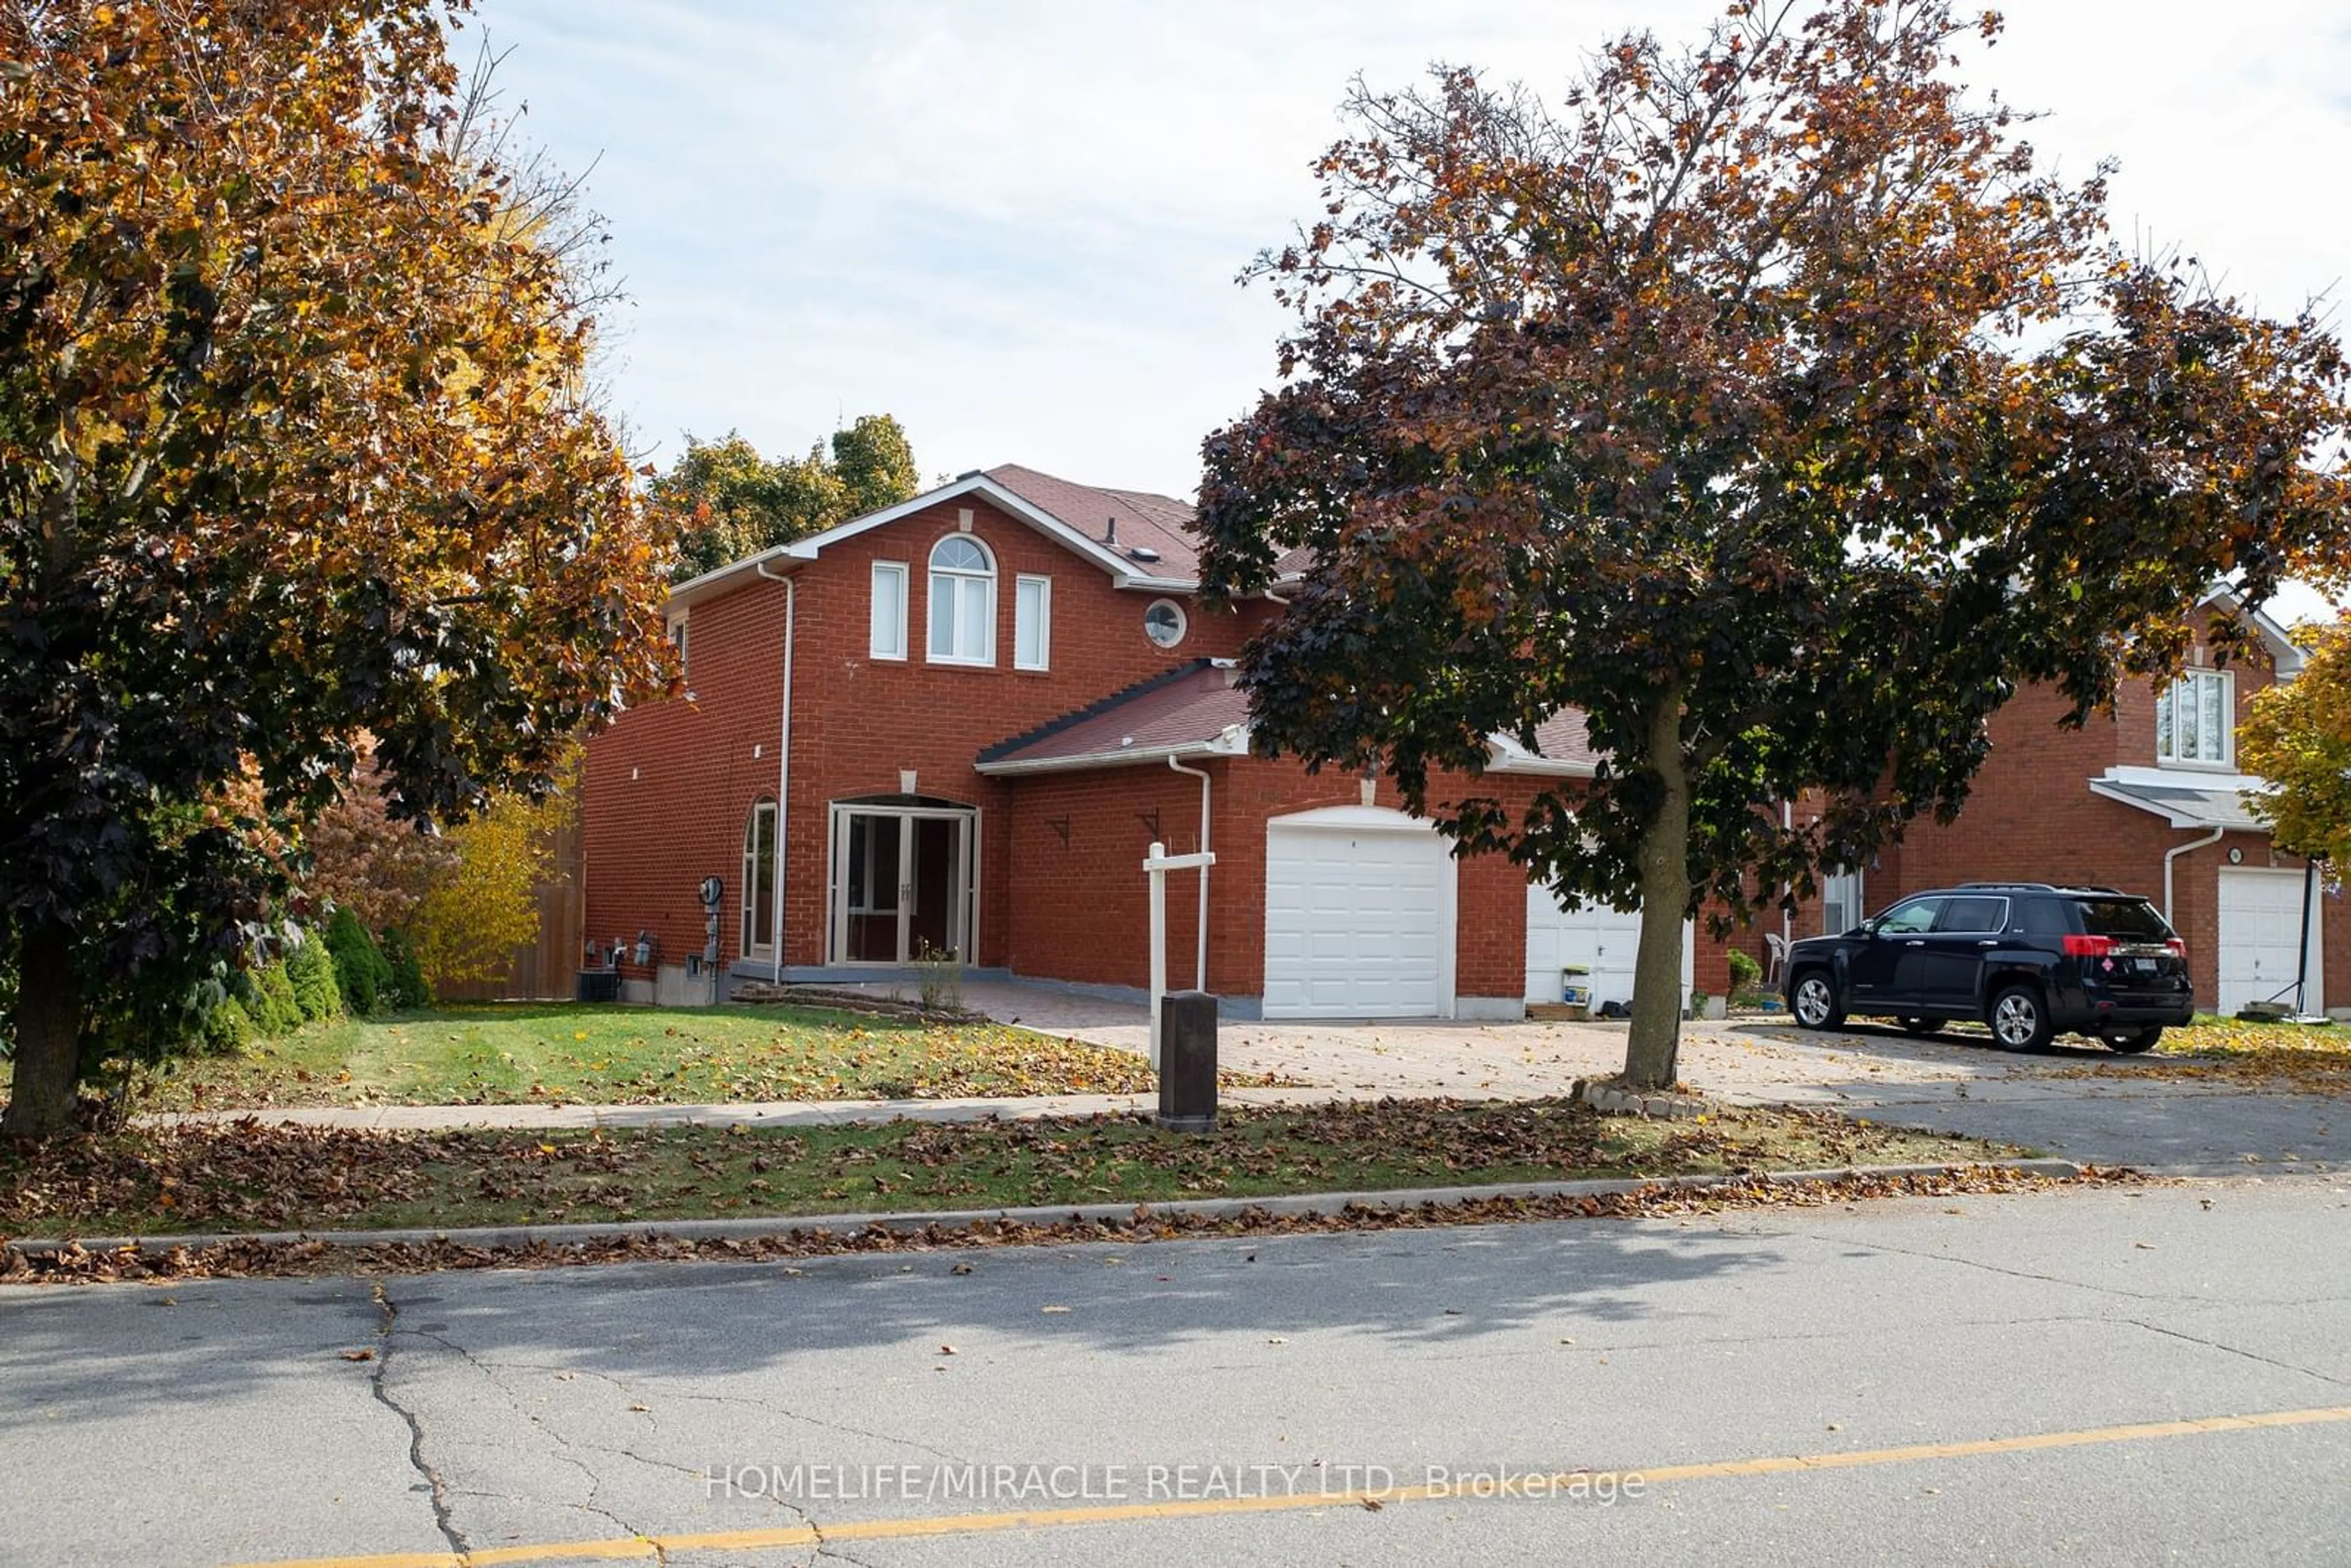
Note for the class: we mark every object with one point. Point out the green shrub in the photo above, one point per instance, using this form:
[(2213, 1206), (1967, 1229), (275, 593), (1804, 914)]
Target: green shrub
[(270, 1001), (407, 990), (228, 1029), (312, 969), (1746, 974), (361, 974)]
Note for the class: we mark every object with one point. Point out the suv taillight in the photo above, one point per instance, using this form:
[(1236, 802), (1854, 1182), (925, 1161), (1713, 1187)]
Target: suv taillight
[(2088, 947), (2178, 948)]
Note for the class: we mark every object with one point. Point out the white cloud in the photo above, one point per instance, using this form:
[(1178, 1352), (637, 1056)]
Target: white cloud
[(1016, 225)]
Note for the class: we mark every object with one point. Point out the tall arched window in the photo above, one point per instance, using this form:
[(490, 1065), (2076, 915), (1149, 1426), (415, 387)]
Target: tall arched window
[(758, 883), (963, 601)]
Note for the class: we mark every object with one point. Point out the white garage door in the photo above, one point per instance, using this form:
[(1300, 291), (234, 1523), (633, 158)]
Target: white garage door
[(2261, 926), (1359, 906), (1601, 940)]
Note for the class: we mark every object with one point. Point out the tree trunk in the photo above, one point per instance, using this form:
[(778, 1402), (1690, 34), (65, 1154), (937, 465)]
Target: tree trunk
[(1652, 1050), (48, 1030)]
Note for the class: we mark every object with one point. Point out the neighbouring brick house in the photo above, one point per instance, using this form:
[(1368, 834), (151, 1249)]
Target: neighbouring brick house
[(2147, 798), (977, 709)]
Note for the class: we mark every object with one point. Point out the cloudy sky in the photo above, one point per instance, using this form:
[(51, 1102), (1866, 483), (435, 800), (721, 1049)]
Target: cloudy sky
[(1015, 224)]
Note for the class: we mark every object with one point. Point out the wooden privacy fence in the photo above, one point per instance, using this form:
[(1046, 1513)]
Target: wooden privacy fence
[(544, 969)]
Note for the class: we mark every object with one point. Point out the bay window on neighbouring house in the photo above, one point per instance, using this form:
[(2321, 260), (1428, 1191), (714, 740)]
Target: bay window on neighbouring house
[(2195, 721), (963, 602)]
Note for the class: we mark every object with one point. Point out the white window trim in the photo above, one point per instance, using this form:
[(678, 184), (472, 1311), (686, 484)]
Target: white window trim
[(679, 631), (755, 907), (1183, 624), (987, 656), (901, 572), (2168, 697), (1044, 585)]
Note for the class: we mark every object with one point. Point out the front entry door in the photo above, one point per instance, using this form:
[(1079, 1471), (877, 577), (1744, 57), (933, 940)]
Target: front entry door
[(901, 884)]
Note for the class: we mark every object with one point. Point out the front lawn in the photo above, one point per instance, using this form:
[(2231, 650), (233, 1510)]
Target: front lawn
[(250, 1176), (508, 1053), (2312, 1057)]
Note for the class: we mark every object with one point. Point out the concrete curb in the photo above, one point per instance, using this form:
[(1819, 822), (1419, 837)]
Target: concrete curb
[(515, 1236)]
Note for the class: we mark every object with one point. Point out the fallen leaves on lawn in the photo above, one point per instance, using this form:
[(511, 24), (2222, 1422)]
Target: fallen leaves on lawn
[(2306, 1058), (250, 1175), (737, 1057), (241, 1258)]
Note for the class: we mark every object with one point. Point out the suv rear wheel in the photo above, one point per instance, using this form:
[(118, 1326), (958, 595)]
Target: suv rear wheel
[(2130, 1042), (1815, 1001), (2019, 1019)]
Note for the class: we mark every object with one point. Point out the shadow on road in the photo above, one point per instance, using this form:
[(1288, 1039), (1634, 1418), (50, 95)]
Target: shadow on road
[(72, 1353)]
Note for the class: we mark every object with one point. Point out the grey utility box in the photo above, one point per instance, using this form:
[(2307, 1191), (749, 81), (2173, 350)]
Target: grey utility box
[(1187, 1062)]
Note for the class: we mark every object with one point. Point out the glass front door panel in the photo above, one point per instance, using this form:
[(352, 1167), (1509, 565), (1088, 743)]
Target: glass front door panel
[(874, 886), (903, 885), (935, 881)]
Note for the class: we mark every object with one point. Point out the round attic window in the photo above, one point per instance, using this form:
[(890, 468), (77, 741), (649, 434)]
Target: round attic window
[(1164, 622)]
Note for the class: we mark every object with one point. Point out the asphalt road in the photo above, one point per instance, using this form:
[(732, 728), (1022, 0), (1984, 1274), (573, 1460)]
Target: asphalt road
[(2054, 1335)]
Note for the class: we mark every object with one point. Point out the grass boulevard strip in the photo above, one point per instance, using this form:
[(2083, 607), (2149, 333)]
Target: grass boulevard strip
[(251, 1177), (71, 1263), (1573, 1483)]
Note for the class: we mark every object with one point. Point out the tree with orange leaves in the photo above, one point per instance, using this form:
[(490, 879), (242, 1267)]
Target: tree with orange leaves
[(295, 445), (1767, 402)]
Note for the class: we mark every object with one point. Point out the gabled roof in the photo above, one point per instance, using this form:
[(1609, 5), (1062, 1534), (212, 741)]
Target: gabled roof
[(2284, 652), (1153, 549), (1125, 522)]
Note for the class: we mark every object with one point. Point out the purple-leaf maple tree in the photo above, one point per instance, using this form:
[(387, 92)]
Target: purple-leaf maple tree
[(1767, 402)]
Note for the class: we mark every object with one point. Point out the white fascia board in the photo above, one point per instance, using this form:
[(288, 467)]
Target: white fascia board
[(1226, 744), (2181, 779), (2283, 649), (1121, 567), (2103, 788), (1510, 757)]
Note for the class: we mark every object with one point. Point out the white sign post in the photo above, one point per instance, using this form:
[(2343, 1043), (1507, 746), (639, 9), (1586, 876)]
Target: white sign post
[(1159, 862)]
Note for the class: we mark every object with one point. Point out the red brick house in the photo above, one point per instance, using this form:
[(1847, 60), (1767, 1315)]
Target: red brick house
[(2148, 799), (954, 726)]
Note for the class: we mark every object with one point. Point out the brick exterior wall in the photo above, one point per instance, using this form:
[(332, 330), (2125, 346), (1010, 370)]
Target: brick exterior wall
[(671, 785), (1081, 912), (2032, 818)]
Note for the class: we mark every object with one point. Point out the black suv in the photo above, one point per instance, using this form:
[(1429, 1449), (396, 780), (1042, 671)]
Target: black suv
[(2025, 958)]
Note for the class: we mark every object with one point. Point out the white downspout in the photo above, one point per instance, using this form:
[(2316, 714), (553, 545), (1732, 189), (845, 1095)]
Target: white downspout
[(783, 759), (1200, 961), (2172, 854)]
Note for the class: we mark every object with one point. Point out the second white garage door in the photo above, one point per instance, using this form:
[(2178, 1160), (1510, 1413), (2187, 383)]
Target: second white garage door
[(2261, 926), (1597, 938), (1359, 913)]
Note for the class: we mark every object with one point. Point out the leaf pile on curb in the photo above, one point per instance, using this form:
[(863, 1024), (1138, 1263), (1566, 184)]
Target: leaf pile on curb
[(199, 1176), (247, 1259)]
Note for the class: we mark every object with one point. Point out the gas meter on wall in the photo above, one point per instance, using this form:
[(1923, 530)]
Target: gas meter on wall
[(713, 891)]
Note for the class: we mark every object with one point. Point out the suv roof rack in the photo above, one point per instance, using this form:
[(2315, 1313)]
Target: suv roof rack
[(2011, 886)]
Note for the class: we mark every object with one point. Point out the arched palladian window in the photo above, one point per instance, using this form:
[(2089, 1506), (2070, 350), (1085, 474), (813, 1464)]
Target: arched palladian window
[(963, 601), (758, 883)]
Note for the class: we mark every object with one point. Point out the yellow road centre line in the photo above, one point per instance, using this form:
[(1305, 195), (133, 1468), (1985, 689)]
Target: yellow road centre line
[(651, 1548)]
